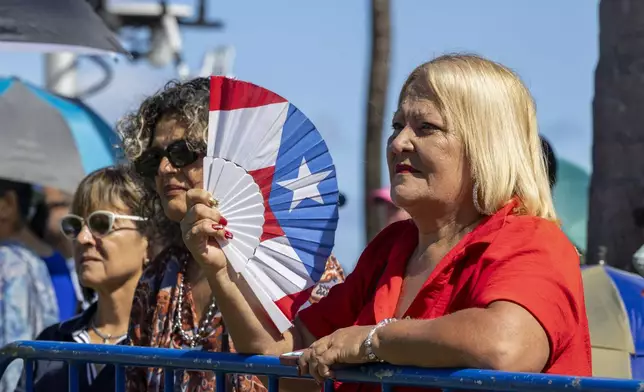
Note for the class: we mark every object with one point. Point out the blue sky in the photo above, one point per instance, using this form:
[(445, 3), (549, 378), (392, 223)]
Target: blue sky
[(316, 55)]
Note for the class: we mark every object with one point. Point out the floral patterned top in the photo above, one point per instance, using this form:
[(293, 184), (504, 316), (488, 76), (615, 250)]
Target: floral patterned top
[(27, 301), (152, 319)]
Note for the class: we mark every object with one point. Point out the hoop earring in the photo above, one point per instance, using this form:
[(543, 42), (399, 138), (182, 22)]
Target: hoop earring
[(475, 198)]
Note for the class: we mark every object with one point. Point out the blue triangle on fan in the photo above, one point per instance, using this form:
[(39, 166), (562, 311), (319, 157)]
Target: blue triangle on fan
[(304, 153)]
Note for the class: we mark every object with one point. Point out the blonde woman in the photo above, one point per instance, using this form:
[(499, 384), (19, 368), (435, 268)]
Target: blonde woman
[(481, 276), (110, 248)]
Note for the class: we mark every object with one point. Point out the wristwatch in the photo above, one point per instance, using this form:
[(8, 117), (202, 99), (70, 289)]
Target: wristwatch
[(371, 357)]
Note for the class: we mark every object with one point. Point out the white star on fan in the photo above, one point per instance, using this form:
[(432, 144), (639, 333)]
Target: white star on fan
[(305, 186)]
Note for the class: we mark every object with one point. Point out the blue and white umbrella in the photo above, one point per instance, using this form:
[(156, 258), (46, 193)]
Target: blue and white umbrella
[(49, 140), (615, 309)]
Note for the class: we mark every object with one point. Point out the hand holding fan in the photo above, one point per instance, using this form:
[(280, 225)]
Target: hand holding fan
[(273, 179)]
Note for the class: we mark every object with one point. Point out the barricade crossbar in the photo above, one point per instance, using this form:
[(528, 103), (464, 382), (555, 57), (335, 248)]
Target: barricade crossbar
[(77, 354)]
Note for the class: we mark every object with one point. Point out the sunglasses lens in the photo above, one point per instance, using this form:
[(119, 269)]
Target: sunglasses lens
[(71, 226), (180, 154), (100, 224), (148, 164)]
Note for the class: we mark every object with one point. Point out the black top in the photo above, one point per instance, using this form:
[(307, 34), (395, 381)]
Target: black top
[(52, 376)]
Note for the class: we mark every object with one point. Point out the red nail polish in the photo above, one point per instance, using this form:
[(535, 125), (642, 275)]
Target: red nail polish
[(217, 227), (228, 235), (223, 221)]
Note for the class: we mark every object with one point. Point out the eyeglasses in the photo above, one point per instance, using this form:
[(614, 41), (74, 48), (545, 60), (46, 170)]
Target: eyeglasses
[(178, 153), (100, 223)]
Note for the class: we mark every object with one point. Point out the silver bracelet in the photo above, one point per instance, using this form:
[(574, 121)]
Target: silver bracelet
[(371, 357)]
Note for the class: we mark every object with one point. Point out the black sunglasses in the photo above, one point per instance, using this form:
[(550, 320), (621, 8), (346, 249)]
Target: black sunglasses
[(178, 153)]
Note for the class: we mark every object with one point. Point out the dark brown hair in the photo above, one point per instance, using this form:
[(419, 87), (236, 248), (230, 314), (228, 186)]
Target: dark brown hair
[(188, 103)]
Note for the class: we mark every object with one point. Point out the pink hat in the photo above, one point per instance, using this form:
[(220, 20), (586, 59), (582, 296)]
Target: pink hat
[(382, 194)]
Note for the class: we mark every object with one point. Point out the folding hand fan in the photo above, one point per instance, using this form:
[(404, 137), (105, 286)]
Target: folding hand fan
[(273, 179)]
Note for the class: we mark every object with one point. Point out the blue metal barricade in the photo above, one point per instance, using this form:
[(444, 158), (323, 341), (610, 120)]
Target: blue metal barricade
[(76, 355)]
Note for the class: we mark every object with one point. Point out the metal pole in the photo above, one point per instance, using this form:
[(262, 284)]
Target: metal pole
[(60, 73)]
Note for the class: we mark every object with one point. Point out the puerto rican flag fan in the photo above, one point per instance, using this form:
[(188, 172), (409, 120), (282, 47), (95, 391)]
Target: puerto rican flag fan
[(272, 177)]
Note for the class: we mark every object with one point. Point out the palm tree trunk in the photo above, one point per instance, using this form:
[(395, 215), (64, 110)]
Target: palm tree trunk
[(617, 182), (377, 99)]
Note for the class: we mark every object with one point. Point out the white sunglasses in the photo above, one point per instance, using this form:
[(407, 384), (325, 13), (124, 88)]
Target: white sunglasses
[(100, 223)]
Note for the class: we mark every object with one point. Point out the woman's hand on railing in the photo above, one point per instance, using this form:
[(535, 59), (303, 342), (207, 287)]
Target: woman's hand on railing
[(345, 346)]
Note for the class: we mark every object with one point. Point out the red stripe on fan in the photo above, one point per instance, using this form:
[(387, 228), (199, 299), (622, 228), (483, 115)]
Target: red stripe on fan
[(292, 303), (264, 179), (231, 94)]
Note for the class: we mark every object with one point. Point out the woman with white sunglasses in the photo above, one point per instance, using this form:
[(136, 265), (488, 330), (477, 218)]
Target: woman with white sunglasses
[(110, 247)]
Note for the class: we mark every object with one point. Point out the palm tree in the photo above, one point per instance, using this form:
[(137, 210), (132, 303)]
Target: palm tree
[(377, 99), (617, 182)]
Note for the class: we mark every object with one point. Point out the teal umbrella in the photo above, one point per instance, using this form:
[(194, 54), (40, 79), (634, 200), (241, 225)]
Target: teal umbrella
[(571, 201)]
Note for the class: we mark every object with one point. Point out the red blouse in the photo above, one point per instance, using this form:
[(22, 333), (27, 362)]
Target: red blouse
[(521, 259)]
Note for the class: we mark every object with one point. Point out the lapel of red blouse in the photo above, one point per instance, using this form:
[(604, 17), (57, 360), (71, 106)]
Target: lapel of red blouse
[(390, 284)]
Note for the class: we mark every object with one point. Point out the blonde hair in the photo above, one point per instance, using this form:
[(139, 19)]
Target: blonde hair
[(493, 113)]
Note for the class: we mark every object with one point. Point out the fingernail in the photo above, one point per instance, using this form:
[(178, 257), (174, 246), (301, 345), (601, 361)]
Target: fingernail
[(228, 235), (223, 221), (217, 227)]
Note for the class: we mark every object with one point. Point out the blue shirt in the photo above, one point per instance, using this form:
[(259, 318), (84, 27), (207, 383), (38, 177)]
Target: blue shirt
[(63, 285), (27, 302)]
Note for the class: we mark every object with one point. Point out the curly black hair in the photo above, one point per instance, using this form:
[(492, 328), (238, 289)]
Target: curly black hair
[(187, 102)]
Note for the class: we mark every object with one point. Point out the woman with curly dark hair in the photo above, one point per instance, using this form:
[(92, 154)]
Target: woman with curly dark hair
[(174, 306)]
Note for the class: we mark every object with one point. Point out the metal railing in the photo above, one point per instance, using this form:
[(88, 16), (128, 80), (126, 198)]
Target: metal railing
[(76, 355)]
